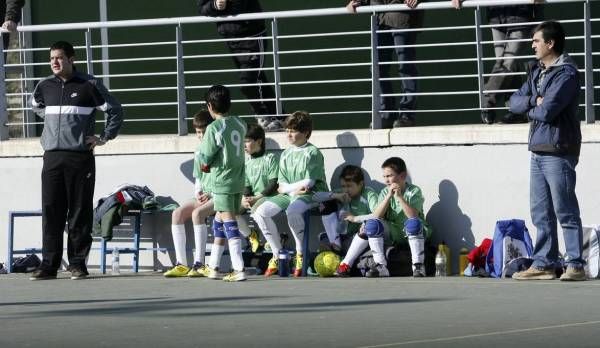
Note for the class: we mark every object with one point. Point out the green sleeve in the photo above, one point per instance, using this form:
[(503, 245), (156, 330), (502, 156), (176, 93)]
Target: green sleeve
[(273, 167), (416, 200), (372, 199), (281, 177), (209, 147), (315, 166)]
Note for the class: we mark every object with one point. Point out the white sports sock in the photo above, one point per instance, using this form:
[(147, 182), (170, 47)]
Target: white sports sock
[(376, 245), (235, 252), (243, 226), (357, 247), (296, 224), (331, 223), (178, 232), (269, 230), (215, 255), (417, 249), (200, 236)]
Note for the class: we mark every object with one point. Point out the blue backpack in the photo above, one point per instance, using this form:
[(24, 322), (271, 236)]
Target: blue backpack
[(511, 241)]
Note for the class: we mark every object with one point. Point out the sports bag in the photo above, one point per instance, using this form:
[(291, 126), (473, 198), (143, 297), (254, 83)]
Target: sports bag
[(591, 250), (511, 240)]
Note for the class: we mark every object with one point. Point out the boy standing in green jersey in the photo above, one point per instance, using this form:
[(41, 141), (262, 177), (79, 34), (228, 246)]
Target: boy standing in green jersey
[(399, 215), (198, 210), (301, 173), (356, 203), (222, 154)]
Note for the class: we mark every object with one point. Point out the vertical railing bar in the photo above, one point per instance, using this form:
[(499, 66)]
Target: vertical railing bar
[(375, 90), (590, 117), (88, 52), (3, 106), (182, 128), (276, 72), (478, 39)]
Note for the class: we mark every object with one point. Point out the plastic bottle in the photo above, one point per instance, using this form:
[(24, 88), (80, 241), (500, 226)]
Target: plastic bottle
[(463, 262), (116, 268), (284, 263), (441, 261)]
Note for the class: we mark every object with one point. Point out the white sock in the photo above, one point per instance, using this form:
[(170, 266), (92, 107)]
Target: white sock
[(235, 252), (178, 232), (357, 247), (331, 223), (243, 226), (417, 249), (296, 224), (215, 255), (376, 245), (200, 236), (269, 230)]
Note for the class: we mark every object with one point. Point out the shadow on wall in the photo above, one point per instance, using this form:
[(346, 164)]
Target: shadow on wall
[(449, 223), (354, 154)]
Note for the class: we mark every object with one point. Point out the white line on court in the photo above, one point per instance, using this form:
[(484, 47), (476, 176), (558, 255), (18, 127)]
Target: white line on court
[(493, 333)]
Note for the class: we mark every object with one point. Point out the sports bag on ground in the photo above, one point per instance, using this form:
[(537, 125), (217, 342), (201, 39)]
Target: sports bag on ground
[(591, 250), (511, 240)]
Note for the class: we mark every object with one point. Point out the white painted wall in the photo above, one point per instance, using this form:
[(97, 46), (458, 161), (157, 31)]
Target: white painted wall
[(471, 176)]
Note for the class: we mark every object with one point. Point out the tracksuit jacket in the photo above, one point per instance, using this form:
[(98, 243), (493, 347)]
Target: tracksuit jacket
[(234, 7)]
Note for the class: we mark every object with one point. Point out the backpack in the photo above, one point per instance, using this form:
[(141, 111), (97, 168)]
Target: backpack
[(511, 240), (591, 250), (26, 264)]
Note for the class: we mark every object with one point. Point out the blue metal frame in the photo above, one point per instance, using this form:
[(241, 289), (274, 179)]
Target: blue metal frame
[(135, 250), (11, 233)]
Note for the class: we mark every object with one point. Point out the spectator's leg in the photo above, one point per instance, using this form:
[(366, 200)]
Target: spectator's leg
[(509, 63), (407, 70), (496, 82), (385, 55), (80, 177), (54, 210), (542, 212)]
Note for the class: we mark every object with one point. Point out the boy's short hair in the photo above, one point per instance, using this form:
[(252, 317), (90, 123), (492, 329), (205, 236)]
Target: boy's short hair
[(65, 46), (300, 121), (552, 31), (352, 173), (202, 119), (218, 98), (256, 132), (396, 164)]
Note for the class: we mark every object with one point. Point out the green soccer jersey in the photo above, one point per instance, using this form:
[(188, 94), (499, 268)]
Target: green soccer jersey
[(364, 204), (260, 170), (303, 162), (205, 178), (222, 149), (395, 215)]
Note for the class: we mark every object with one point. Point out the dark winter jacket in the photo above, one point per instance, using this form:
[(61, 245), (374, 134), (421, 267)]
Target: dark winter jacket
[(69, 111), (555, 127), (234, 7), (10, 10), (398, 19), (514, 14)]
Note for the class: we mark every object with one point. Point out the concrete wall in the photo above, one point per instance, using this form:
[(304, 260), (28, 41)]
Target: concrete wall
[(471, 176)]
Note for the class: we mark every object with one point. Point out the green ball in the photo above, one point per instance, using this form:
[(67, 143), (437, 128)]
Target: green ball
[(326, 263)]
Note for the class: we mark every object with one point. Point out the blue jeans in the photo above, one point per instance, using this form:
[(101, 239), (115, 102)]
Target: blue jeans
[(552, 197), (403, 54)]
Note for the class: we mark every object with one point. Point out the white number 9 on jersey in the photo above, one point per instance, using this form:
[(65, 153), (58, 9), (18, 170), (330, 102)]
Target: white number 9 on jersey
[(236, 140)]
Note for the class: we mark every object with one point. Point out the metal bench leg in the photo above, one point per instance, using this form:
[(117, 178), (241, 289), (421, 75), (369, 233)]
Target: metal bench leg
[(103, 255), (11, 232), (136, 241)]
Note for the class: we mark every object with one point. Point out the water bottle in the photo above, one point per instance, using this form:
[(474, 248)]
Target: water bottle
[(440, 261), (116, 269), (463, 261), (284, 263)]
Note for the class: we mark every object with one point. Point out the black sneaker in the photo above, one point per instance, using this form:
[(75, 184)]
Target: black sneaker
[(419, 271), (42, 274), (378, 270), (488, 116), (78, 273), (404, 121), (511, 118)]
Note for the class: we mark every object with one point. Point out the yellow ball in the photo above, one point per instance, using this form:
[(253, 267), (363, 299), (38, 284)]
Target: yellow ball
[(326, 263)]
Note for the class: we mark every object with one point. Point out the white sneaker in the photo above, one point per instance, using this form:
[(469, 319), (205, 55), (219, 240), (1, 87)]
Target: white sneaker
[(235, 276), (213, 273), (378, 270), (274, 126)]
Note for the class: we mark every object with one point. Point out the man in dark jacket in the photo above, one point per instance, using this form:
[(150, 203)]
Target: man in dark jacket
[(246, 60), (10, 11), (405, 55), (68, 101), (549, 98)]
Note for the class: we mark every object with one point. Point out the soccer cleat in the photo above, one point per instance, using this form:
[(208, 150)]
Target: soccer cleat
[(418, 270), (273, 267), (235, 276), (213, 273), (298, 269), (343, 270), (198, 270), (378, 270), (178, 271), (254, 241), (267, 247)]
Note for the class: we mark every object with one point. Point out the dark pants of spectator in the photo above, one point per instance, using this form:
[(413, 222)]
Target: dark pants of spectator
[(256, 94), (552, 199), (6, 40), (505, 63), (68, 179), (408, 71)]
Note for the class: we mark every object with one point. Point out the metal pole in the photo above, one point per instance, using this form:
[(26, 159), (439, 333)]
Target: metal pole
[(276, 73), (478, 38), (26, 41), (375, 90), (182, 128), (104, 41), (88, 52), (3, 111), (590, 117)]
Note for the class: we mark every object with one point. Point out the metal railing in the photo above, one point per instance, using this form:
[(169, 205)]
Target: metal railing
[(290, 71)]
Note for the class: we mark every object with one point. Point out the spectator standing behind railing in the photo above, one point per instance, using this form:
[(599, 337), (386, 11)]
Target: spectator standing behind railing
[(549, 98), (247, 29), (67, 101), (405, 56), (504, 52), (10, 11)]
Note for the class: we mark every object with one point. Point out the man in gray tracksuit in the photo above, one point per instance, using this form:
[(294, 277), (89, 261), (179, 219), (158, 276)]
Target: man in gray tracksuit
[(68, 101)]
